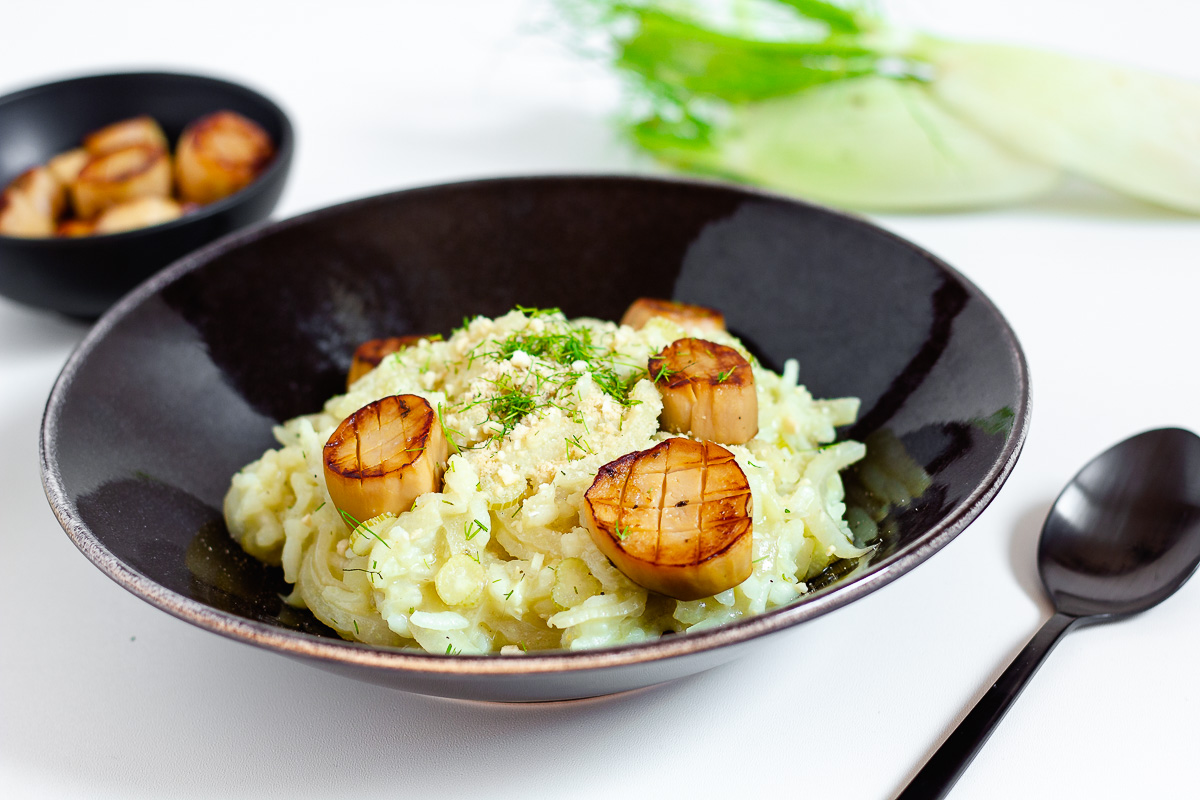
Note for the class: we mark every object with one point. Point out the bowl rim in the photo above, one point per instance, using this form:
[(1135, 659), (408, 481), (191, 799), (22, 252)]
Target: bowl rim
[(396, 660), (284, 149)]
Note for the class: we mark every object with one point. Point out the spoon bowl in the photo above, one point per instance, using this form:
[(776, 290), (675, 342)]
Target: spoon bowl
[(1123, 536), (1125, 533)]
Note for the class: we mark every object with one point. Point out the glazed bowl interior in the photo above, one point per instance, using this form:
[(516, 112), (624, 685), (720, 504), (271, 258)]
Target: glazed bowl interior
[(83, 276), (179, 385)]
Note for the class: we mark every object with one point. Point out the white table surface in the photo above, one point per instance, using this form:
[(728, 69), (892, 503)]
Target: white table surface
[(101, 695)]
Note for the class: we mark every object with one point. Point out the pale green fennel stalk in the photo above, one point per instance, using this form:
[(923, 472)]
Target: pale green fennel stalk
[(828, 102)]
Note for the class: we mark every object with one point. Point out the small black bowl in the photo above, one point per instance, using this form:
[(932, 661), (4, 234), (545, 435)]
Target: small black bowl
[(83, 277), (178, 386)]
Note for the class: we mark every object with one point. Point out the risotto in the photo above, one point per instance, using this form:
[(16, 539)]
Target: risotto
[(504, 552)]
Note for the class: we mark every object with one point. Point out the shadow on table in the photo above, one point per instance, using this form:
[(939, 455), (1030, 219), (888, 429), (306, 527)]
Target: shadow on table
[(29, 333), (1023, 549)]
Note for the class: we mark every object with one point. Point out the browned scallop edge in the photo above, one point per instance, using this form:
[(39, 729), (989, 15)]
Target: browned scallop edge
[(75, 227), (675, 308), (201, 128), (742, 374), (145, 166), (22, 181), (748, 532), (374, 351), (121, 123), (417, 444), (609, 471), (749, 520), (613, 468)]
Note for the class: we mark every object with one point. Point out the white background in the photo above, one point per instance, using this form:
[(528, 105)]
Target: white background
[(103, 696)]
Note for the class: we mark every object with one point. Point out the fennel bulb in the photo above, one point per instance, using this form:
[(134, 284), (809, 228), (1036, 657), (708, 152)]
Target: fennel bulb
[(810, 97), (869, 143), (1131, 130)]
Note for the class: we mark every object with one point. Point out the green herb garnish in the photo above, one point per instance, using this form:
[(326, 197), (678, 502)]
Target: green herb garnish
[(374, 573), (447, 430), (349, 518), (579, 443), (474, 529)]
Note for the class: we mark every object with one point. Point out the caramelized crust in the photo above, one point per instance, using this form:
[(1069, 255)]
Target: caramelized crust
[(20, 217), (384, 456), (141, 130), (140, 213), (106, 180), (72, 228), (675, 519), (66, 166), (220, 154), (707, 391), (45, 192), (122, 177), (689, 316), (371, 353)]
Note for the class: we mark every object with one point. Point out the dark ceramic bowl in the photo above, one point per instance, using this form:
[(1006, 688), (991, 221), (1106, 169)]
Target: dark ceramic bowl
[(83, 277), (177, 387)]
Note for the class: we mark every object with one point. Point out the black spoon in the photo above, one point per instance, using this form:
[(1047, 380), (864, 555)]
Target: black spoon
[(1122, 537)]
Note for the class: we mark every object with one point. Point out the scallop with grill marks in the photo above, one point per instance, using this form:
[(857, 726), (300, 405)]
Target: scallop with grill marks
[(707, 390), (384, 456), (675, 519)]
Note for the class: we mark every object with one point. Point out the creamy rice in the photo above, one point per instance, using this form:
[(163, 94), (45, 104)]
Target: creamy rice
[(500, 560)]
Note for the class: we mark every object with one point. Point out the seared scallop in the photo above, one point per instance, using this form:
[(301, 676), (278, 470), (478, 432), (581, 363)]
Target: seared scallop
[(370, 354), (707, 390), (384, 456), (138, 171), (141, 130), (20, 216), (686, 315), (219, 154), (675, 519), (140, 213), (74, 228), (47, 193), (66, 166)]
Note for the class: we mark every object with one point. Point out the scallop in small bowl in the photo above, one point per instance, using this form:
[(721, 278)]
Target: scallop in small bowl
[(82, 271)]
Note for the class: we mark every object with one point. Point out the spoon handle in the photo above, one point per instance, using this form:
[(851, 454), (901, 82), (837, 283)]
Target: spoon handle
[(941, 772)]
